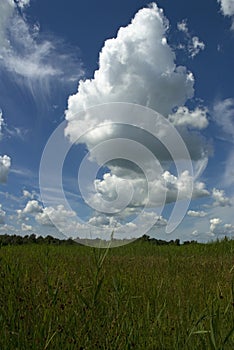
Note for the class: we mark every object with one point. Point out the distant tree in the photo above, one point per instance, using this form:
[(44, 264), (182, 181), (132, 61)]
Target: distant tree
[(145, 238), (32, 238)]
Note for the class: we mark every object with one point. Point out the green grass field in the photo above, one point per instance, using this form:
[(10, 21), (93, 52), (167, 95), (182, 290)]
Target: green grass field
[(139, 296)]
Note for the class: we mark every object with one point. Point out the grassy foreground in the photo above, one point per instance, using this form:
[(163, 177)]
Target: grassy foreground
[(139, 296)]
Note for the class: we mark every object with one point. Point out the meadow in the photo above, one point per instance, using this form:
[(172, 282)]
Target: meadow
[(139, 296)]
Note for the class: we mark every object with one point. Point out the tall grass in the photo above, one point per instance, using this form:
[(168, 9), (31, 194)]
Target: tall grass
[(138, 296)]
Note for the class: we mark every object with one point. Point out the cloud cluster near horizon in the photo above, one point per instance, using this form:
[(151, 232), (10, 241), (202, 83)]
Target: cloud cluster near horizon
[(217, 228)]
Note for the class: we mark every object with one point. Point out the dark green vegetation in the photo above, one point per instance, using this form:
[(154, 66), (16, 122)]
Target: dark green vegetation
[(18, 240), (139, 296)]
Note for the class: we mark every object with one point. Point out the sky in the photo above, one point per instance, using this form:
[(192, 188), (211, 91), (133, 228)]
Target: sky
[(117, 118)]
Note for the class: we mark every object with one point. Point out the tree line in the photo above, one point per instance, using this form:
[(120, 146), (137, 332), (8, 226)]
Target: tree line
[(33, 239), (30, 239)]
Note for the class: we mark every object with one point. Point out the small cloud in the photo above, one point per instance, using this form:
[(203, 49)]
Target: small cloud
[(5, 164), (182, 26), (27, 194), (220, 199), (193, 45), (103, 221), (198, 214), (195, 233), (25, 227), (219, 48)]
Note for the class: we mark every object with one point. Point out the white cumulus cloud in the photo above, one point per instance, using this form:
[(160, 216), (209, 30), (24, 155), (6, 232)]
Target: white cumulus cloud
[(51, 216), (32, 207), (215, 225), (137, 66), (193, 45), (227, 7), (218, 228), (183, 26), (144, 193), (27, 194), (195, 233), (25, 227), (195, 119), (197, 214), (220, 198), (103, 221)]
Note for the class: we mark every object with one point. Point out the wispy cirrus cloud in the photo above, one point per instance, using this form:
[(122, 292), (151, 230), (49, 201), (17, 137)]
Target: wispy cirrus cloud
[(1, 124), (5, 164), (223, 116), (2, 215), (30, 57)]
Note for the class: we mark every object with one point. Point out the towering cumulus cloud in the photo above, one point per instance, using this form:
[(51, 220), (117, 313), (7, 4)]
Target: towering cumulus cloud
[(138, 66)]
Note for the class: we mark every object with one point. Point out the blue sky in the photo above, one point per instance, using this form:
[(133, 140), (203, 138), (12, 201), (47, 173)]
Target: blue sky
[(58, 59)]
